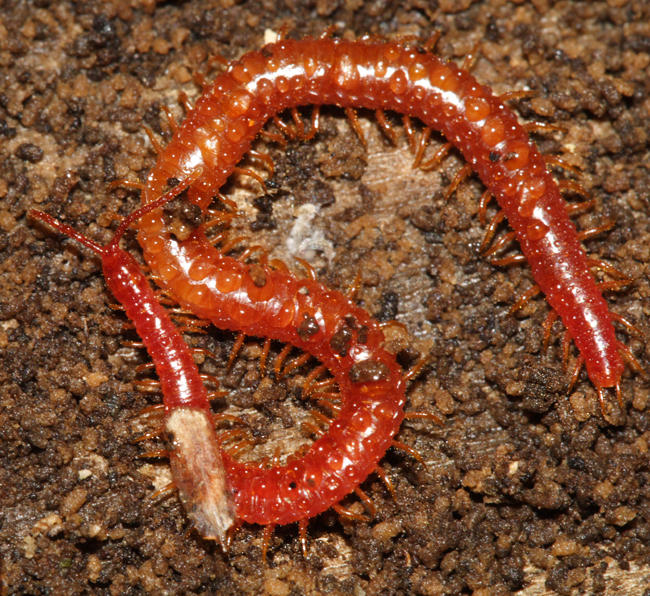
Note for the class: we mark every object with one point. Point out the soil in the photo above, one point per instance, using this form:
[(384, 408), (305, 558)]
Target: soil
[(524, 488)]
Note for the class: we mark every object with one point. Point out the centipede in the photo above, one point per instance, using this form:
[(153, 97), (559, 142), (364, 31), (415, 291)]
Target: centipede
[(265, 300)]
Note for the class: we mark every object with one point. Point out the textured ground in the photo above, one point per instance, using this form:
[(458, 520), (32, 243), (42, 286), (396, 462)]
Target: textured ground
[(525, 489)]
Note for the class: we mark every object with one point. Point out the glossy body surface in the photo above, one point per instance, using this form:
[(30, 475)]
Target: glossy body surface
[(219, 131)]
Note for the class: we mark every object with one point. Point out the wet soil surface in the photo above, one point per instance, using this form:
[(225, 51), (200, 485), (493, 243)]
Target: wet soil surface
[(523, 488)]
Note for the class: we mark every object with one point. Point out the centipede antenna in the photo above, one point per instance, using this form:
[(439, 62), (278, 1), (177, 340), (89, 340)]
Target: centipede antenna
[(67, 230)]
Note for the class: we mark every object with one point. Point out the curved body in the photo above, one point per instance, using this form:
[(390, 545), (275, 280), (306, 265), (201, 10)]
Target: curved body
[(219, 131)]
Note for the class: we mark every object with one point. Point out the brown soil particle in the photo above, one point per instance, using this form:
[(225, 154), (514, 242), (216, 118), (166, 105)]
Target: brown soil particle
[(526, 489)]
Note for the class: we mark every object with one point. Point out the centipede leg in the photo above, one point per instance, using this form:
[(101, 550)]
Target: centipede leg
[(463, 173), (580, 361), (595, 231), (266, 347), (266, 539), (386, 126), (356, 125), (547, 326), (347, 514), (524, 299), (157, 147), (388, 483), (424, 416), (302, 535), (239, 342), (367, 501), (279, 361), (414, 453), (420, 147)]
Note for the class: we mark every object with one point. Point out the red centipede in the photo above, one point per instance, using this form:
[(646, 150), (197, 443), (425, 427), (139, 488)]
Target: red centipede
[(264, 301), (195, 457)]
